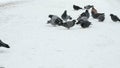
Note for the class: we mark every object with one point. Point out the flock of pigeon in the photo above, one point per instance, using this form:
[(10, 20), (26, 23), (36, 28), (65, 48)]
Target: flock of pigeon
[(82, 20)]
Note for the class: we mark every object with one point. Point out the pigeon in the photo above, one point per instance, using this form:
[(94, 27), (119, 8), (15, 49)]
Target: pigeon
[(93, 11), (84, 16), (114, 18), (68, 24), (96, 15), (54, 20), (2, 44), (50, 16), (88, 7), (75, 7), (87, 13), (101, 18), (84, 24), (65, 17)]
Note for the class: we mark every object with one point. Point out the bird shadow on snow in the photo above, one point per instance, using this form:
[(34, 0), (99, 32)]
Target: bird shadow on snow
[(3, 51)]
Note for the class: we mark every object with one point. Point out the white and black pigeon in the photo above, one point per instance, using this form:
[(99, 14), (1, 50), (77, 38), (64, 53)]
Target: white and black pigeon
[(65, 16), (2, 44), (54, 20), (75, 7)]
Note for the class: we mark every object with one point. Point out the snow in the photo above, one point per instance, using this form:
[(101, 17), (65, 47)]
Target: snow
[(35, 44)]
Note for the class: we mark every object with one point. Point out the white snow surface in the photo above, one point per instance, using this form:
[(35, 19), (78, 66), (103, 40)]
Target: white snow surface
[(35, 44)]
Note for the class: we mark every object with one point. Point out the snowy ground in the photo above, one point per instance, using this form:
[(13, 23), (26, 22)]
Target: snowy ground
[(34, 44)]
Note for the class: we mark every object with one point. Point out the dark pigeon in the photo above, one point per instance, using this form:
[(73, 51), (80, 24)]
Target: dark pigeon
[(101, 18), (2, 44), (75, 7), (84, 24), (68, 24), (114, 18), (88, 7), (96, 15)]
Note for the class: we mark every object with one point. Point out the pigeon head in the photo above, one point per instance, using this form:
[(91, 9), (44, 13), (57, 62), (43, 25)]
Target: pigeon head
[(65, 11), (70, 17), (74, 21), (83, 14), (50, 16), (111, 14), (86, 11)]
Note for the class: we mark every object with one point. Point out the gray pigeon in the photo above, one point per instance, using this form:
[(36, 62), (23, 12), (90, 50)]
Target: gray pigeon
[(65, 17), (87, 13), (84, 18), (68, 24), (84, 15), (54, 20), (101, 18)]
